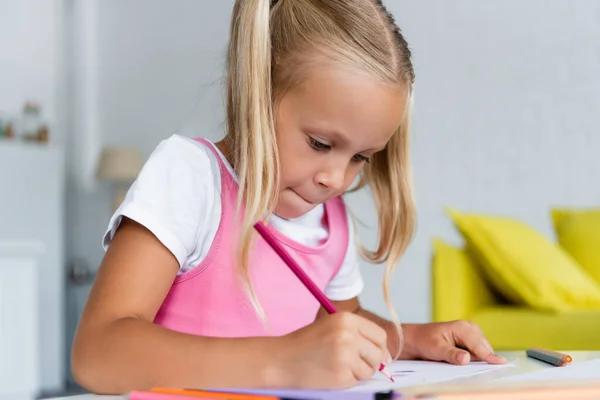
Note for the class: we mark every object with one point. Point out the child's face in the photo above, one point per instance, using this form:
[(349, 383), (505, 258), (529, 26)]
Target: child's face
[(327, 128)]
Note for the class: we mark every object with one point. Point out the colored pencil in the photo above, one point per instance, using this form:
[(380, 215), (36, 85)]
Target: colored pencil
[(146, 395), (304, 278), (551, 357), (204, 394)]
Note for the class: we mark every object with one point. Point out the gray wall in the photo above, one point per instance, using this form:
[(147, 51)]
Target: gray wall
[(31, 66), (29, 55), (507, 116)]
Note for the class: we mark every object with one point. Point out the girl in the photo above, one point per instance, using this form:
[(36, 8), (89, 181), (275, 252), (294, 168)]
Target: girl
[(318, 92)]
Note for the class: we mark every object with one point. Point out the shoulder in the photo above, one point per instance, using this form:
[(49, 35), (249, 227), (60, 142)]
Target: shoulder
[(178, 170), (182, 153), (183, 166), (176, 196)]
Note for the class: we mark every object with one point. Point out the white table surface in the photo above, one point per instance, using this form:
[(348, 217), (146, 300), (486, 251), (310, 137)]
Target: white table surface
[(523, 365)]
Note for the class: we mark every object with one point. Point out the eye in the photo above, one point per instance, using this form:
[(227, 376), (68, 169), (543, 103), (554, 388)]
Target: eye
[(318, 146), (361, 158)]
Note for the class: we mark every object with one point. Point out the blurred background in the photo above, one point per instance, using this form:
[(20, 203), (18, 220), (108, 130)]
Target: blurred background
[(506, 122)]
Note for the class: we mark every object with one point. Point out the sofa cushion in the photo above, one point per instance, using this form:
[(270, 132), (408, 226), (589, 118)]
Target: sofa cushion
[(514, 328), (457, 286), (525, 266), (578, 232)]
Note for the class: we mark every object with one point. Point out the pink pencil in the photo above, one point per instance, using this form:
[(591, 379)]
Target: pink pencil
[(310, 285), (145, 395)]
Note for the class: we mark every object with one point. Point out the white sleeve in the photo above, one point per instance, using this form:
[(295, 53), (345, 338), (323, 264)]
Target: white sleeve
[(172, 197), (348, 282)]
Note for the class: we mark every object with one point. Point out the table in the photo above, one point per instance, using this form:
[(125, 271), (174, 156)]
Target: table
[(523, 365)]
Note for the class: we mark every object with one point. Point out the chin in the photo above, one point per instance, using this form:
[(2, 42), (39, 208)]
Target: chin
[(292, 208), (291, 212)]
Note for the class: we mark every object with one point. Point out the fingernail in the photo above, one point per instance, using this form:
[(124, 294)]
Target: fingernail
[(500, 358), (462, 358)]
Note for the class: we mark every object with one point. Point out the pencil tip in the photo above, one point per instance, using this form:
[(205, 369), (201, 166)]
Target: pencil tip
[(386, 373)]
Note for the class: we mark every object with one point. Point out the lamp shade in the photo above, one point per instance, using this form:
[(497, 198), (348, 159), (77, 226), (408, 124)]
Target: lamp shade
[(120, 164)]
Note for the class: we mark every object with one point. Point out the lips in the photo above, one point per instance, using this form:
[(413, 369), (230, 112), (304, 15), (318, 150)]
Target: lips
[(305, 199)]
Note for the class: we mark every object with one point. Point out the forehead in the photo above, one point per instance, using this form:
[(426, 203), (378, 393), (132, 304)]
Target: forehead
[(351, 103)]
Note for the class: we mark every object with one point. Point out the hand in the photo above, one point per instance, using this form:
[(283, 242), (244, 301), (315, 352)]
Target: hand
[(456, 342), (334, 352)]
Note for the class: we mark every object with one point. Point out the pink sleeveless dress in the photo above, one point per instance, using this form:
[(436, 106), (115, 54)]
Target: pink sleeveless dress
[(209, 300)]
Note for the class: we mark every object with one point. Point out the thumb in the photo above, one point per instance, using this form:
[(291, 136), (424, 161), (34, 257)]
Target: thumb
[(457, 356)]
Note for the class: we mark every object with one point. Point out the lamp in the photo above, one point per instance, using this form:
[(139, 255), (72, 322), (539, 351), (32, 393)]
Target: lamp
[(120, 166)]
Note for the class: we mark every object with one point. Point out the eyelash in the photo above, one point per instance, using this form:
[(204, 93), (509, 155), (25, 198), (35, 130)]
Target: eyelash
[(320, 146)]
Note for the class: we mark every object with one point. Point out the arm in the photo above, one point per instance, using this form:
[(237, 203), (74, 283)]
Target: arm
[(117, 347)]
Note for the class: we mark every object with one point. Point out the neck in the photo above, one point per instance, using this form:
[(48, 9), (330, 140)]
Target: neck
[(224, 147)]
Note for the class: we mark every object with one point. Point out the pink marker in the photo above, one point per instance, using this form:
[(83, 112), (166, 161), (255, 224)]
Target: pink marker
[(310, 285)]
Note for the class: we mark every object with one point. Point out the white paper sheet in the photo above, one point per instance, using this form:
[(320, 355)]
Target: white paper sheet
[(580, 370), (412, 373)]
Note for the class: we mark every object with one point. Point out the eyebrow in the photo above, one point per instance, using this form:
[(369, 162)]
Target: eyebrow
[(342, 138)]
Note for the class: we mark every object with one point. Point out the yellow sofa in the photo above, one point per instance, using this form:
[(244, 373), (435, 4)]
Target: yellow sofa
[(460, 291)]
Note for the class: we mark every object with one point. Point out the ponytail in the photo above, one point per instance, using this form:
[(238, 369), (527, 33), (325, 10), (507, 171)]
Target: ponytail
[(250, 127)]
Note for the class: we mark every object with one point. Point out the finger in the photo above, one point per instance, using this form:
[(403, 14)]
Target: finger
[(478, 332), (456, 356), (471, 338), (374, 333), (388, 358), (493, 358), (371, 355), (496, 359), (363, 370)]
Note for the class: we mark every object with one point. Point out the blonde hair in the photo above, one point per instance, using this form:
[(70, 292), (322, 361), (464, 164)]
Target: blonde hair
[(269, 44)]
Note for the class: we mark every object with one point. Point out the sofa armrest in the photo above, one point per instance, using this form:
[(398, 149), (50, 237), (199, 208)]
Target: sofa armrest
[(458, 289)]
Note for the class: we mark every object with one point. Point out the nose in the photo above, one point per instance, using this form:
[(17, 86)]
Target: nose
[(332, 177)]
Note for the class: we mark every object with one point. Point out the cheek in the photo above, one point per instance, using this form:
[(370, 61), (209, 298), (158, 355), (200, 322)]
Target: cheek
[(295, 166), (352, 173), (297, 160), (296, 169)]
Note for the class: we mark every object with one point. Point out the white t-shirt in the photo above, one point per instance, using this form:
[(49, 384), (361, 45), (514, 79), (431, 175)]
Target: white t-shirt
[(177, 196)]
